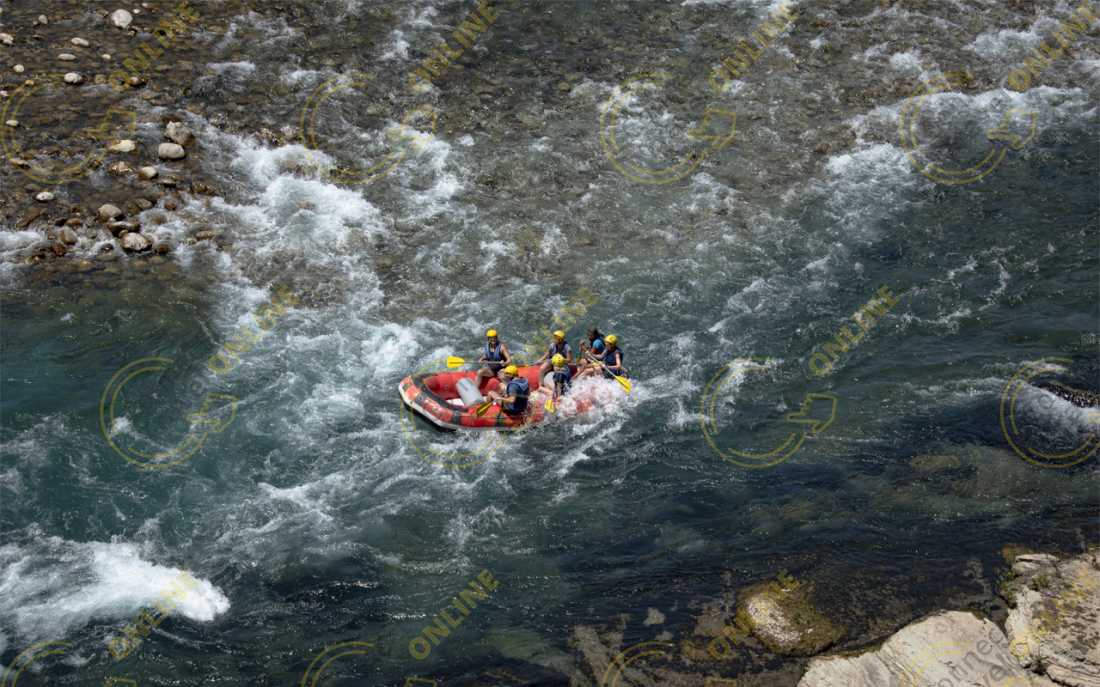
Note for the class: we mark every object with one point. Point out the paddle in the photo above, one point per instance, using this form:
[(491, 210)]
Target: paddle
[(484, 408), (623, 381), (549, 405), (454, 361)]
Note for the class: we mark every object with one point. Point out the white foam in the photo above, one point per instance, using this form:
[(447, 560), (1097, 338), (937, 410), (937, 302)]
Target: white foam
[(52, 587)]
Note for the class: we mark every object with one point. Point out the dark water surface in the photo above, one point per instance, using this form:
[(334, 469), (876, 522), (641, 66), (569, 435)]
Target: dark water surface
[(307, 510)]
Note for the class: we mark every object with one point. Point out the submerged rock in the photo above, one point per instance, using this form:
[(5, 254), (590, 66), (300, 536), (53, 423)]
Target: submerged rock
[(780, 613)]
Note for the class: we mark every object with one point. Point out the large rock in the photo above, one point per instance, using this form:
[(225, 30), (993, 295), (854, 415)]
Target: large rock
[(171, 151), (950, 649), (781, 614), (1055, 625)]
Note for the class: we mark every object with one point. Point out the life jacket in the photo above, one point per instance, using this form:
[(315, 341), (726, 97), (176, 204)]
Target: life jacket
[(563, 349), (563, 377), (494, 355), (610, 359), (519, 388)]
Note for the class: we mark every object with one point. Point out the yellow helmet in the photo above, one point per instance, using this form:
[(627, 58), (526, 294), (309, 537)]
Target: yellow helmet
[(511, 370), (611, 339), (558, 360), (491, 334), (559, 334)]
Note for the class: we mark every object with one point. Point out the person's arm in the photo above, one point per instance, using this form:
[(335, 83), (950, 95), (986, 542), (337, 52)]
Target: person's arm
[(507, 356), (544, 357), (568, 353)]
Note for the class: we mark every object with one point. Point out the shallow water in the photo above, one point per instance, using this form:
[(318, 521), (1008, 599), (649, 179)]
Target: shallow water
[(312, 511)]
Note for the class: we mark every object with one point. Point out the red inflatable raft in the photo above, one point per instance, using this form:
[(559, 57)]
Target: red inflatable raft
[(435, 397)]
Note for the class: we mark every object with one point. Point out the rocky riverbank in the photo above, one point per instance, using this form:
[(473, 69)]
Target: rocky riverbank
[(1050, 638)]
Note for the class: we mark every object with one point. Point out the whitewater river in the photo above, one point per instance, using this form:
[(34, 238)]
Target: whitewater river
[(726, 228)]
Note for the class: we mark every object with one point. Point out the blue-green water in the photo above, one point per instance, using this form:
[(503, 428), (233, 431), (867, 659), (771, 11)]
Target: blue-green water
[(309, 512)]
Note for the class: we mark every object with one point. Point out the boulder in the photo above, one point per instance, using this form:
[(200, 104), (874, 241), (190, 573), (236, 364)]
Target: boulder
[(171, 151), (949, 648), (781, 615), (121, 18), (1053, 627), (177, 132), (109, 212)]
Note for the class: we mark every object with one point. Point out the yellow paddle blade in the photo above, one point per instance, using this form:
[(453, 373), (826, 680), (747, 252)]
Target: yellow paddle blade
[(454, 361), (623, 382), (484, 408), (549, 405)]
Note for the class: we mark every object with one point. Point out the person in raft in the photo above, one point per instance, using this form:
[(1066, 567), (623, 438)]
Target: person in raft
[(516, 389), (558, 346), (563, 376), (495, 354), (591, 349), (611, 361)]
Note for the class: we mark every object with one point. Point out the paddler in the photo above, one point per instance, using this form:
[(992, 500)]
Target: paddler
[(563, 376), (516, 389), (610, 360), (495, 354), (591, 350), (558, 346)]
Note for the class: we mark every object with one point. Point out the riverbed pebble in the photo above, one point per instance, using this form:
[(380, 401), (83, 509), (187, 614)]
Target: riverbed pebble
[(66, 57), (123, 146), (44, 197), (74, 78), (147, 172), (109, 212), (177, 132), (171, 151), (121, 18), (80, 42)]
